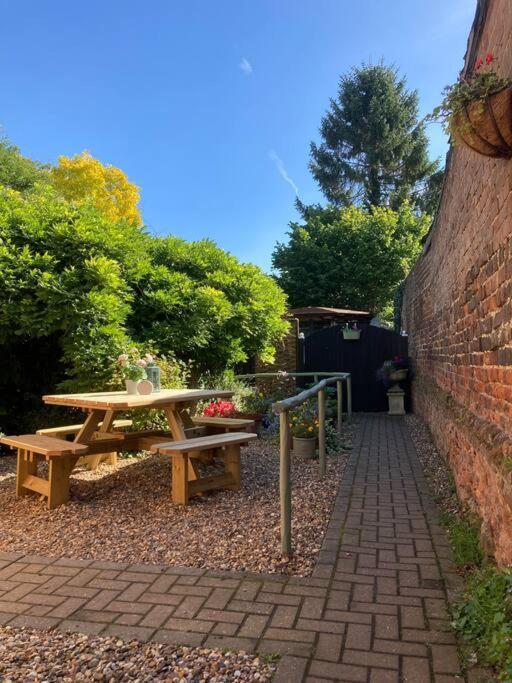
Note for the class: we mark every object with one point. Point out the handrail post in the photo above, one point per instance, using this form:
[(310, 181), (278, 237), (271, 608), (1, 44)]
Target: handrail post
[(321, 431), (339, 395), (349, 398), (284, 484)]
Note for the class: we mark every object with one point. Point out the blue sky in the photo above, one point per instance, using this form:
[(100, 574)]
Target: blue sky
[(210, 106)]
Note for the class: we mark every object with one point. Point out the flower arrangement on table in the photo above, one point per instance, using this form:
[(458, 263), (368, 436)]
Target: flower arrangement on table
[(219, 409), (133, 367), (477, 110)]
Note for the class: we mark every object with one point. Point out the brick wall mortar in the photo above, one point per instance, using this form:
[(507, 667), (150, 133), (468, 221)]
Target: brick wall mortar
[(458, 314)]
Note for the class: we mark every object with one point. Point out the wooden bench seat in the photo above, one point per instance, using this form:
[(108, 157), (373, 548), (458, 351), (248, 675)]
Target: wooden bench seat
[(71, 430), (224, 424), (185, 481), (61, 456), (92, 462)]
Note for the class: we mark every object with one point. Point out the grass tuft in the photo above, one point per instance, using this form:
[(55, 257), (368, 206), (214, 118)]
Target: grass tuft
[(483, 618)]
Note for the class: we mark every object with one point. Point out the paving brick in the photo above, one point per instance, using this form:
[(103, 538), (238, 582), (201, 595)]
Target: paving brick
[(359, 637), (290, 634), (321, 625), (338, 672), (328, 647), (174, 624), (367, 658), (189, 607), (77, 626), (67, 608), (231, 642), (386, 627), (252, 607), (445, 659), (127, 619), (129, 632), (26, 621), (253, 626), (178, 638), (284, 616), (383, 676), (290, 669), (157, 616), (415, 670)]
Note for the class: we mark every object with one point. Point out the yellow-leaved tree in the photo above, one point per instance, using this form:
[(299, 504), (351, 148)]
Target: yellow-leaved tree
[(83, 178)]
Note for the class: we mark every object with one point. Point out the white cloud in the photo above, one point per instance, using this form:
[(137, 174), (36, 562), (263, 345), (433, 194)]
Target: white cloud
[(282, 171), (245, 66)]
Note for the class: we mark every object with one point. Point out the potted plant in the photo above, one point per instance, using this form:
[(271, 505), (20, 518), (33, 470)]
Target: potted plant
[(477, 110), (351, 332), (133, 369), (394, 370), (304, 431)]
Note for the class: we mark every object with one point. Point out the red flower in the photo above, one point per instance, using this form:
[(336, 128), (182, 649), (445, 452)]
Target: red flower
[(479, 63), (219, 409), (489, 57)]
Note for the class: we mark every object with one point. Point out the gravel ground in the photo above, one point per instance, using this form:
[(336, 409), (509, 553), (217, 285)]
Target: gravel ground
[(30, 656), (436, 469), (125, 514)]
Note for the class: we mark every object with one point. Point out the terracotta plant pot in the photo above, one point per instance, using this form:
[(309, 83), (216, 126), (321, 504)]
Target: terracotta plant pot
[(351, 334), (486, 126), (305, 448)]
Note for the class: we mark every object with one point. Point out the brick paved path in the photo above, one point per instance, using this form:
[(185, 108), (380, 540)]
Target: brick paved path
[(374, 609)]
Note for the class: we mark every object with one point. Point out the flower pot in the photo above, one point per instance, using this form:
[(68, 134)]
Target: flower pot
[(486, 126), (351, 334), (398, 375), (131, 386), (305, 448)]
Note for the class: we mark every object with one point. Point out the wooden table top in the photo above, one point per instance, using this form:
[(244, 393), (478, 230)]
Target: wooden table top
[(120, 400)]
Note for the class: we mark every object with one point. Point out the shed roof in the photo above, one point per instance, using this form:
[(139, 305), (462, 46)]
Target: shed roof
[(306, 311)]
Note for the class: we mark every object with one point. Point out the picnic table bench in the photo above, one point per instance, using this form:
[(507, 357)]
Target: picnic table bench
[(99, 434)]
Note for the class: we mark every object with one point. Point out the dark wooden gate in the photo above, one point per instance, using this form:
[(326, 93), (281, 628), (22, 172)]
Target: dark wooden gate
[(327, 351)]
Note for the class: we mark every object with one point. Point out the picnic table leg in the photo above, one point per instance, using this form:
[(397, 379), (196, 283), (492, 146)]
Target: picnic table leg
[(232, 465), (90, 426), (180, 478), (178, 431), (25, 466), (95, 460), (59, 470)]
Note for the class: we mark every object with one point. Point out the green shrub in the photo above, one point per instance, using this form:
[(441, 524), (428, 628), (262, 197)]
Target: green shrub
[(484, 619), (77, 289)]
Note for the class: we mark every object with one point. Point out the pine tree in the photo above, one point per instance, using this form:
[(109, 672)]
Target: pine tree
[(374, 151)]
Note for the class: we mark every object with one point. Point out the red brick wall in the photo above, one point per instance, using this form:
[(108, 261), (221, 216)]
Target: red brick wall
[(458, 314)]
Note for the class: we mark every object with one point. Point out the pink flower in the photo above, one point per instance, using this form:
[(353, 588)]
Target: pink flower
[(149, 358), (122, 358), (141, 363)]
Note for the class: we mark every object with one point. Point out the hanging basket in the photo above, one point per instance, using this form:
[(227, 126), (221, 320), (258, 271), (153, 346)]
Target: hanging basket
[(486, 125), (349, 334)]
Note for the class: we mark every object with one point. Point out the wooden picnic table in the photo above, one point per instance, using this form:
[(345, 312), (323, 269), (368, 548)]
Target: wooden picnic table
[(103, 406)]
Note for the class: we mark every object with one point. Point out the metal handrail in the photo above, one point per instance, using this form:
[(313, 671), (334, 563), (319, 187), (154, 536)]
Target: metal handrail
[(282, 409)]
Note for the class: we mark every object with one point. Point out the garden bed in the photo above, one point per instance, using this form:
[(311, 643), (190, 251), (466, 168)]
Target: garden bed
[(125, 514), (27, 655)]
